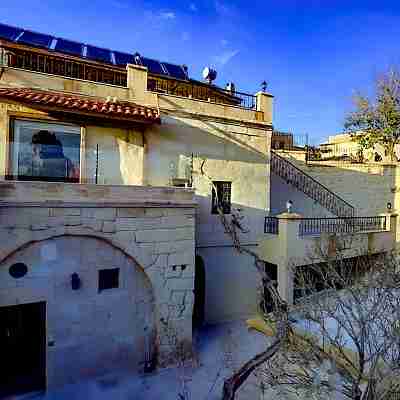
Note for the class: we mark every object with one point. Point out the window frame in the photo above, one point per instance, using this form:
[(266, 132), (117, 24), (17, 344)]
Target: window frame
[(12, 174), (226, 206)]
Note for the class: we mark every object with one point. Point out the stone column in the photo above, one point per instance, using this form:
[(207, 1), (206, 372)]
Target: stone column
[(289, 238), (137, 82), (265, 104)]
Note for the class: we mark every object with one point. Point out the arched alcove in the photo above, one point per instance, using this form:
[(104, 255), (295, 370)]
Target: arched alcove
[(104, 323)]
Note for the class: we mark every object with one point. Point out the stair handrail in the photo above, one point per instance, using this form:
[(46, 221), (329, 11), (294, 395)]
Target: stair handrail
[(285, 160)]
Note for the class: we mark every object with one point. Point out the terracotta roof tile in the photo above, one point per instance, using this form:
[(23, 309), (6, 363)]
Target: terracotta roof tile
[(66, 102)]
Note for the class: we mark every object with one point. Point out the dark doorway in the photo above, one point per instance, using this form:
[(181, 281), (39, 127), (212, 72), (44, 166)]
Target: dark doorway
[(22, 348), (199, 293), (267, 304)]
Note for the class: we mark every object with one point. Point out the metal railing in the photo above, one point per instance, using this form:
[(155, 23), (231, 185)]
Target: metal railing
[(60, 66), (271, 225), (71, 68), (344, 225), (309, 186), (392, 396), (203, 92), (289, 141)]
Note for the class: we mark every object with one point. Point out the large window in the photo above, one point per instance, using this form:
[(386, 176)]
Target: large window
[(44, 151), (222, 198)]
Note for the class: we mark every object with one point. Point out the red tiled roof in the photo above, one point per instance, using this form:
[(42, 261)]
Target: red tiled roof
[(74, 103)]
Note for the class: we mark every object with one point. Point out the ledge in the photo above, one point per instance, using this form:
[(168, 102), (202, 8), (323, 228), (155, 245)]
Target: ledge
[(55, 194)]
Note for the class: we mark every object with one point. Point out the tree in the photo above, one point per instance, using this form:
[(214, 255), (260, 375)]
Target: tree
[(355, 325), (377, 121), (233, 227), (344, 302)]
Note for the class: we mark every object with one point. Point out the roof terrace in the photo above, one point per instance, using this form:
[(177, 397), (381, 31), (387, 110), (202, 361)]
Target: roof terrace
[(37, 52)]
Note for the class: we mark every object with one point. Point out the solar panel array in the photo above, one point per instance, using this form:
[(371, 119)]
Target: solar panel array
[(35, 39), (94, 53), (9, 32), (98, 54), (123, 58), (176, 71), (154, 66), (69, 47)]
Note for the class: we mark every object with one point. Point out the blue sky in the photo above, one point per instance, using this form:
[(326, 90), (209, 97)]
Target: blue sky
[(314, 54)]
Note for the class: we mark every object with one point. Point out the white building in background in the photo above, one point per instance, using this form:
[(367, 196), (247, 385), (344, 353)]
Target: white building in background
[(343, 145)]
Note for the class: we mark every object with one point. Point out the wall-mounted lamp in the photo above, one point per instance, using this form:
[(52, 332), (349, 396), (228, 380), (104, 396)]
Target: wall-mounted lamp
[(389, 205), (75, 281)]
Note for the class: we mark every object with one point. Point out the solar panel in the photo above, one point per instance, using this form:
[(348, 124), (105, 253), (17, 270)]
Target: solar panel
[(98, 54), (69, 47), (153, 66), (35, 39), (123, 58), (176, 71), (91, 52), (9, 32)]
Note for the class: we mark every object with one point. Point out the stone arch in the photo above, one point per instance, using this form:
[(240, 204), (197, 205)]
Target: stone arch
[(128, 251), (91, 332)]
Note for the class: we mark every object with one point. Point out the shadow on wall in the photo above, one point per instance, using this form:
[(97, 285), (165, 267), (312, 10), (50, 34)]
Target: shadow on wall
[(174, 138), (240, 158), (231, 279)]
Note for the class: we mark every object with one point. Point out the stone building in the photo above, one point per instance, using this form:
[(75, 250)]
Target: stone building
[(344, 146), (111, 249), (110, 244)]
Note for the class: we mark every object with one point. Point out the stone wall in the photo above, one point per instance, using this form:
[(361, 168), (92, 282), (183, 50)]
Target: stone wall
[(368, 187), (232, 284), (89, 332), (234, 153), (237, 153), (121, 150), (158, 242), (120, 160), (234, 141)]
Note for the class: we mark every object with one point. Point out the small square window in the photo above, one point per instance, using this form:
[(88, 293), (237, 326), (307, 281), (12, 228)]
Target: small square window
[(108, 279), (223, 195)]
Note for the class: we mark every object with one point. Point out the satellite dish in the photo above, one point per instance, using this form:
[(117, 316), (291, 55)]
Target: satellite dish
[(137, 58), (209, 74), (230, 87)]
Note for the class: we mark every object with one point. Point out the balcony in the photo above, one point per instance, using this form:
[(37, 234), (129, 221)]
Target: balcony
[(62, 66), (291, 241), (26, 59), (204, 92), (339, 225), (299, 240)]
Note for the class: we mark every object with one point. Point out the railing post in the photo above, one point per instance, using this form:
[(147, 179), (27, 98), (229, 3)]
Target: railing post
[(265, 104), (3, 58), (289, 225), (137, 82)]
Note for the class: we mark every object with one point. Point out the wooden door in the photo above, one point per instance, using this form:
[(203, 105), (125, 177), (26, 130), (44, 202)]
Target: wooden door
[(22, 348)]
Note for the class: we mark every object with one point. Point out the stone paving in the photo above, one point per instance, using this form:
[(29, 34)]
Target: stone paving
[(221, 349)]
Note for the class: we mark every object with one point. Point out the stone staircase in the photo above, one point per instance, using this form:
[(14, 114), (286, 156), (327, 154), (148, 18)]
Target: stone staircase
[(308, 185)]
